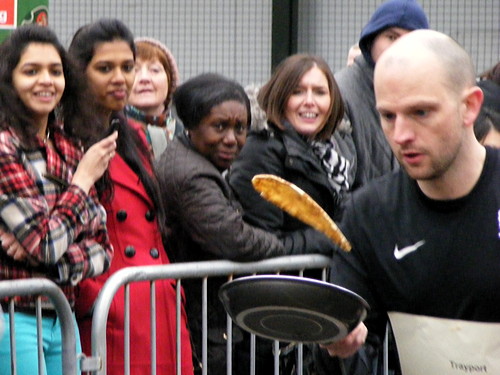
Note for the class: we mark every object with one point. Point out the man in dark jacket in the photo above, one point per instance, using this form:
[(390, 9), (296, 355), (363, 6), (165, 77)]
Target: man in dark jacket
[(391, 20)]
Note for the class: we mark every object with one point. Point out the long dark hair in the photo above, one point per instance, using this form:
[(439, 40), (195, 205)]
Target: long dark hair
[(74, 109), (129, 145)]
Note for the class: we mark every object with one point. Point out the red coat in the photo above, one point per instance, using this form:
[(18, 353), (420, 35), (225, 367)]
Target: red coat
[(135, 235)]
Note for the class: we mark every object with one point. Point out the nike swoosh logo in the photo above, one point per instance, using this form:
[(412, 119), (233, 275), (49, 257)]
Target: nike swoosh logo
[(401, 253)]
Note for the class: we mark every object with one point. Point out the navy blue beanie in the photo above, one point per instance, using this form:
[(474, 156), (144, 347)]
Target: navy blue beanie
[(405, 14)]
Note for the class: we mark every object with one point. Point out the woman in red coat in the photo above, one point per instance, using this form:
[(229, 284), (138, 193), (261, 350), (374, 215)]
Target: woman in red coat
[(105, 50)]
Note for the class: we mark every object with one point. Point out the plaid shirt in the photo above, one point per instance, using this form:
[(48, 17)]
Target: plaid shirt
[(61, 227)]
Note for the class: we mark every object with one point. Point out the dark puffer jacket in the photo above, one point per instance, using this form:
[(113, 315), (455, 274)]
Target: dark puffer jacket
[(206, 223), (287, 155), (373, 153), (204, 216)]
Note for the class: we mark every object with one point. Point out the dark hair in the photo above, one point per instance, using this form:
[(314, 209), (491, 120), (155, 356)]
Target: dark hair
[(489, 115), (87, 37), (492, 74), (129, 144), (195, 98), (75, 107), (274, 95)]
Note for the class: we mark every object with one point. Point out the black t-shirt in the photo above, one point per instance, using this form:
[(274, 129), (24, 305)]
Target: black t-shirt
[(421, 256)]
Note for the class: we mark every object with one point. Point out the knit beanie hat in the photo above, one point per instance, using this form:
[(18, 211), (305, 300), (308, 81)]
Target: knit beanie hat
[(405, 14), (174, 71)]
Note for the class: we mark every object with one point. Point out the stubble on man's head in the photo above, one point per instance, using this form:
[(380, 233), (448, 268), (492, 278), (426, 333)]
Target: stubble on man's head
[(439, 52)]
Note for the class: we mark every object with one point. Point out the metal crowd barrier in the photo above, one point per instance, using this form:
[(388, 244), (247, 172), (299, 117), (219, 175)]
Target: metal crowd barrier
[(96, 364), (42, 287)]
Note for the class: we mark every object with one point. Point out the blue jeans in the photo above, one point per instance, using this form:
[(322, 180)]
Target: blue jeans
[(26, 345)]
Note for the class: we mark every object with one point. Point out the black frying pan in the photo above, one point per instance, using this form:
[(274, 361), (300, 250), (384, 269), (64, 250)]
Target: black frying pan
[(292, 309)]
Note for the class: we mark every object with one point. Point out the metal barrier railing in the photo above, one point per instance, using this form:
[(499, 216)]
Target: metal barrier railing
[(42, 287), (96, 364)]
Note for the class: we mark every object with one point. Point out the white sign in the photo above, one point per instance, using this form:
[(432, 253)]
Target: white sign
[(428, 345)]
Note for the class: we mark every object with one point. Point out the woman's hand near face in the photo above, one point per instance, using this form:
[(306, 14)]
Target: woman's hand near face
[(95, 162)]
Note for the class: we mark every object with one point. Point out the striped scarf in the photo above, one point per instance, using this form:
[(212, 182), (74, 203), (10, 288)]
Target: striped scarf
[(335, 165)]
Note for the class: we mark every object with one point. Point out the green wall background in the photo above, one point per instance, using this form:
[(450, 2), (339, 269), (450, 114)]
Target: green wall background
[(29, 11)]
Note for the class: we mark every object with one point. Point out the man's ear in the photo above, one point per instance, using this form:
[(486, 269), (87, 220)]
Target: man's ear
[(472, 100)]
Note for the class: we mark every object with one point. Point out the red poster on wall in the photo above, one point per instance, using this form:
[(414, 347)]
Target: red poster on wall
[(8, 16)]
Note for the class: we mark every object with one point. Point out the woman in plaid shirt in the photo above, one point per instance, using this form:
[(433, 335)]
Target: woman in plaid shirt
[(51, 222)]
